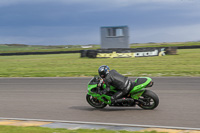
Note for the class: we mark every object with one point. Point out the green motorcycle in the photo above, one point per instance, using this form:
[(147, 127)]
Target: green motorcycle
[(138, 95)]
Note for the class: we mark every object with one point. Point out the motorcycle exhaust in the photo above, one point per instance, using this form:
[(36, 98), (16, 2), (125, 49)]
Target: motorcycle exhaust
[(129, 100)]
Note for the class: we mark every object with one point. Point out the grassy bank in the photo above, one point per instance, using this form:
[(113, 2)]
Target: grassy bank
[(13, 129), (186, 63), (176, 44), (17, 48)]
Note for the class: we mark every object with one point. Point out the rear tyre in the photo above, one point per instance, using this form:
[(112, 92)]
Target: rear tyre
[(94, 102), (149, 100)]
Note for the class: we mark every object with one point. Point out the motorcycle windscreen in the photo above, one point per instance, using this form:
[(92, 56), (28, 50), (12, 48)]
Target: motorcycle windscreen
[(94, 81)]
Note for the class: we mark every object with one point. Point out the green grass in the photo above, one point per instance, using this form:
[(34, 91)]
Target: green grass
[(176, 44), (14, 129), (186, 63), (18, 48)]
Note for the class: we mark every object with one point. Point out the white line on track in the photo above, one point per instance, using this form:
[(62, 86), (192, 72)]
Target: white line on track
[(100, 123)]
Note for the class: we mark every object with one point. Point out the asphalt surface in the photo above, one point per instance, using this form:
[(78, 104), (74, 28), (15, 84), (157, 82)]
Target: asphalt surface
[(64, 99)]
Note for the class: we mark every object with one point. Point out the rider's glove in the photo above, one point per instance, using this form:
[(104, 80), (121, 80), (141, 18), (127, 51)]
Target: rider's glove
[(100, 82)]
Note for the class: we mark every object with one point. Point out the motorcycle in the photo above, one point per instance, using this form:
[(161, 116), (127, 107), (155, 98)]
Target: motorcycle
[(139, 95)]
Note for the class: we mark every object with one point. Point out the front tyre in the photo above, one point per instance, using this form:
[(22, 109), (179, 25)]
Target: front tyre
[(149, 100), (94, 102)]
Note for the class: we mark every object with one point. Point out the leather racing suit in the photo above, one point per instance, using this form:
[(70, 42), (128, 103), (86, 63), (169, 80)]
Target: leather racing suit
[(122, 84)]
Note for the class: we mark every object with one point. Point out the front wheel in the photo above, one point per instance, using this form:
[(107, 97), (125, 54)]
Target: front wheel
[(149, 100), (94, 102)]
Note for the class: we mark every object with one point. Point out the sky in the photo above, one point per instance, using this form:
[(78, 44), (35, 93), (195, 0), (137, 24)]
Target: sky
[(78, 22)]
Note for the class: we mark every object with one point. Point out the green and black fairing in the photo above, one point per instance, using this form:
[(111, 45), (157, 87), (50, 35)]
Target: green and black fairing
[(135, 93), (94, 90), (140, 84)]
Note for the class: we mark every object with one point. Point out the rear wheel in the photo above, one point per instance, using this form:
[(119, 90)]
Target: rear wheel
[(94, 102), (148, 100)]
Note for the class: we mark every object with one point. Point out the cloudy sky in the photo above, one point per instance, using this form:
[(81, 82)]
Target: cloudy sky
[(71, 22)]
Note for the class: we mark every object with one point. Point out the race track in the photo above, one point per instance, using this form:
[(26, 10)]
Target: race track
[(64, 99)]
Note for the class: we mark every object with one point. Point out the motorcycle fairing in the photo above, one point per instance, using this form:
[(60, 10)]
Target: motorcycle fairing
[(140, 83)]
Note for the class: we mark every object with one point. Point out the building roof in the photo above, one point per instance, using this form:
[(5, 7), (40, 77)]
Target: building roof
[(114, 26)]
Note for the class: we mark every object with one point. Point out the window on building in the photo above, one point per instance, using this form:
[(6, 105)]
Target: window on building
[(110, 32), (119, 32), (115, 32)]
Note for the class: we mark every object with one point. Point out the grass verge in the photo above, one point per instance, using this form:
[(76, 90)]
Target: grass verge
[(186, 63), (176, 44), (18, 48), (14, 129)]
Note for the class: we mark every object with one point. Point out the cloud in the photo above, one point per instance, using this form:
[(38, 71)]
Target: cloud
[(111, 5), (92, 2), (166, 34), (77, 21), (39, 35)]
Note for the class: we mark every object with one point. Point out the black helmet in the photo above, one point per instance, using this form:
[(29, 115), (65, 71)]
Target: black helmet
[(103, 71)]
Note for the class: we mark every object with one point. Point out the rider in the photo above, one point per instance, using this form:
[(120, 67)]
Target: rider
[(120, 82)]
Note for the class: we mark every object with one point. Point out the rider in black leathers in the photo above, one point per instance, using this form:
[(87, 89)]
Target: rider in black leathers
[(120, 82)]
